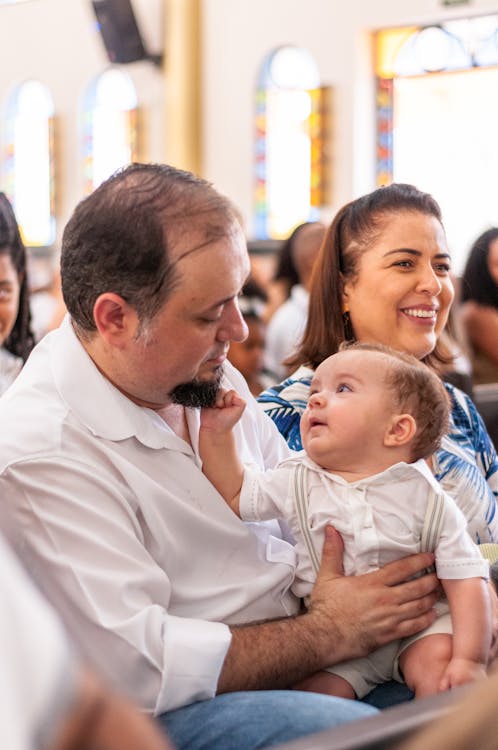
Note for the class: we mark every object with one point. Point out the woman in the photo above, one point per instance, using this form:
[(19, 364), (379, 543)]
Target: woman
[(16, 338), (479, 310), (383, 276)]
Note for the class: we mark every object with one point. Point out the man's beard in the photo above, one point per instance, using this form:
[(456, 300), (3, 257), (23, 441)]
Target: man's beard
[(197, 393)]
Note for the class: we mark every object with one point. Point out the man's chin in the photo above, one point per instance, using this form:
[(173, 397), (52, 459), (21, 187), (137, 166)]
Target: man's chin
[(198, 393)]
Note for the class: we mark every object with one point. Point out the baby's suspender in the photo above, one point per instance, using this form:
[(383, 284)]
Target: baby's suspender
[(301, 501), (433, 523), (430, 533)]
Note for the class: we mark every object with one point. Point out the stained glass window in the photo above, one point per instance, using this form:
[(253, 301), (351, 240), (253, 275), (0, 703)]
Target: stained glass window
[(28, 162), (437, 119), (109, 126), (291, 149)]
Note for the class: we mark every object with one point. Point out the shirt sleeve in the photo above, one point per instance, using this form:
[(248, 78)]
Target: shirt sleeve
[(264, 495), (467, 468), (114, 595), (456, 555)]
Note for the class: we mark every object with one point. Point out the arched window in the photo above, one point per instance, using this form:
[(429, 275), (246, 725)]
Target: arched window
[(109, 127), (291, 142), (437, 119), (29, 162)]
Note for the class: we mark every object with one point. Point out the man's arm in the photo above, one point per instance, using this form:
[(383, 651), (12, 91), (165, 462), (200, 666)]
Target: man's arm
[(347, 617), (471, 619), (220, 459), (83, 535)]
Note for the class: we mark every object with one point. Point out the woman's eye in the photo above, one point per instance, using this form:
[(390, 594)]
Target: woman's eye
[(404, 263), (442, 267)]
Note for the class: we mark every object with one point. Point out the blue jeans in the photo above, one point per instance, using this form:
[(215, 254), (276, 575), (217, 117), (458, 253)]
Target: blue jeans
[(257, 719), (388, 694)]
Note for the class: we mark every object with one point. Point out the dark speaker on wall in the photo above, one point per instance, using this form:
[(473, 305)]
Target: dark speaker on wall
[(120, 33)]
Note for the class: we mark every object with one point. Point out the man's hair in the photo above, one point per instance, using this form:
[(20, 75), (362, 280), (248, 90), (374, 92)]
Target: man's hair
[(118, 238), (354, 228), (20, 340), (416, 390)]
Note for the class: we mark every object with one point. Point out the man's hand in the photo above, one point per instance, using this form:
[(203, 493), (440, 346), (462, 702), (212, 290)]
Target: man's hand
[(375, 608), (349, 616), (225, 414)]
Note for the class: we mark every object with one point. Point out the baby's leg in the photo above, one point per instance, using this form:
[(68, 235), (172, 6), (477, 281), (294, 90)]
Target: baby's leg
[(327, 683), (423, 662)]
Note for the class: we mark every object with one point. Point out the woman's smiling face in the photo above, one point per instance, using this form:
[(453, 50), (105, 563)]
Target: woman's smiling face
[(401, 293)]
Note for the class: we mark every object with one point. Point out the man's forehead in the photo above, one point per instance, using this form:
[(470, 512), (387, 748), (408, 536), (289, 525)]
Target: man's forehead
[(195, 240)]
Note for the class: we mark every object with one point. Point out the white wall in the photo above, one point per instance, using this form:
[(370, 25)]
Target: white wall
[(237, 36), (57, 42)]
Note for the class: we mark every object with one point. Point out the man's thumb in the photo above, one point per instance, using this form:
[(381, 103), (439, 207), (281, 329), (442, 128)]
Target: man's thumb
[(332, 553)]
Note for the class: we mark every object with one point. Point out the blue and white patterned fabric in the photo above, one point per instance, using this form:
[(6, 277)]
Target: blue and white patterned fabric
[(466, 465)]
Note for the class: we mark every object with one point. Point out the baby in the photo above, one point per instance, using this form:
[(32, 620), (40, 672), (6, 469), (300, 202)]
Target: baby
[(373, 420)]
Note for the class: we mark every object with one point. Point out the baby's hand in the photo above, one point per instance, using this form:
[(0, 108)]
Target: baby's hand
[(460, 671), (225, 414)]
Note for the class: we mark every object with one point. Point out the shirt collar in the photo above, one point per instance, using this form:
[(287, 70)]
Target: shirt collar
[(99, 405), (399, 471)]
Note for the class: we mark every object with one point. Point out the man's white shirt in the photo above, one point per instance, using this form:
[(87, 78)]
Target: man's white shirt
[(116, 511)]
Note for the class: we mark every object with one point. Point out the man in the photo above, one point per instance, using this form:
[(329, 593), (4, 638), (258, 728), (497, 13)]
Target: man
[(99, 462)]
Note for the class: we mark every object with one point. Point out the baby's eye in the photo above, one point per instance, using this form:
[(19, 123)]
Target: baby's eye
[(343, 388)]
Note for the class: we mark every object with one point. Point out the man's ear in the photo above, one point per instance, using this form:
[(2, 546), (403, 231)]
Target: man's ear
[(116, 320), (400, 430)]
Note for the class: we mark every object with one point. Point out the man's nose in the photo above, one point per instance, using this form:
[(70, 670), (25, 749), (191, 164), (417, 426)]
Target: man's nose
[(233, 326)]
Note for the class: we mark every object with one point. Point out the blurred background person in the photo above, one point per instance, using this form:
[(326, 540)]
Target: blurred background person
[(248, 356), (284, 277), (479, 311), (16, 337), (47, 305), (287, 324), (49, 701)]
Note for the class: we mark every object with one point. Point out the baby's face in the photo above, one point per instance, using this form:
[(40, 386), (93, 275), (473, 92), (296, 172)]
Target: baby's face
[(348, 409)]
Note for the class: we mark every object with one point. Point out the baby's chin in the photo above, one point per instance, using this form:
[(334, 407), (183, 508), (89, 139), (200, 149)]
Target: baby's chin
[(312, 453)]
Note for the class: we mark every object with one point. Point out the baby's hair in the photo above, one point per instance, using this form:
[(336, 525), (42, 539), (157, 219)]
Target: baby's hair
[(416, 390)]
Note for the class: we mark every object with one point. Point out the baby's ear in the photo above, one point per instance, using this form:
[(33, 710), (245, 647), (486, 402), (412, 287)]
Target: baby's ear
[(400, 430)]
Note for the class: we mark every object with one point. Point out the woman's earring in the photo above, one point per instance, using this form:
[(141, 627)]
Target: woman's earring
[(348, 327)]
